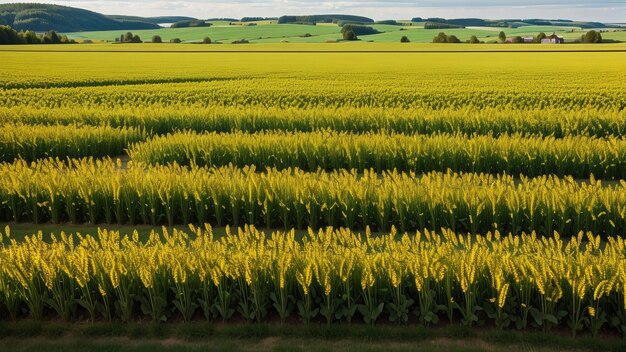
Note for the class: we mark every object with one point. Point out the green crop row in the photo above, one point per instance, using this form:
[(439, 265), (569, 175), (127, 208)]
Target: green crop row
[(101, 191), (160, 119), (576, 156), (331, 276), (31, 142), (321, 92)]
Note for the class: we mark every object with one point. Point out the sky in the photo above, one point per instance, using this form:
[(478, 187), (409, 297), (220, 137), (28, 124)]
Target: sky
[(590, 10)]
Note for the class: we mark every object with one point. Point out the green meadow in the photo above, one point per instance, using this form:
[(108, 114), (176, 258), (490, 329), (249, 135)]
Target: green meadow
[(270, 32)]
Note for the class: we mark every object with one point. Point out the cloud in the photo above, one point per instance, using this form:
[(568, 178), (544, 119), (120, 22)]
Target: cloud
[(379, 9)]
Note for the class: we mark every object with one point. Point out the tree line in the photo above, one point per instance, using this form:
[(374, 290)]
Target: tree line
[(129, 37), (589, 37), (9, 35)]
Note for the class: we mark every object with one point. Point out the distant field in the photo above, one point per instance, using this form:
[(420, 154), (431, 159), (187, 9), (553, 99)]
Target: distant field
[(224, 33), (358, 46), (270, 32), (113, 65)]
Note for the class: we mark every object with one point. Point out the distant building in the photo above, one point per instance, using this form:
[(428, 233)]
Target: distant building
[(509, 40), (553, 39), (524, 40)]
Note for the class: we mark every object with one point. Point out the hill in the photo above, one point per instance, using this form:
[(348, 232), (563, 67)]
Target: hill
[(44, 17)]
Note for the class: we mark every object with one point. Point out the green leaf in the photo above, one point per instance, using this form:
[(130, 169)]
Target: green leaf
[(537, 316), (551, 318)]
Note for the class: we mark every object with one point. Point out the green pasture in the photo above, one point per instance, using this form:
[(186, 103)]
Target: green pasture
[(270, 32), (221, 33)]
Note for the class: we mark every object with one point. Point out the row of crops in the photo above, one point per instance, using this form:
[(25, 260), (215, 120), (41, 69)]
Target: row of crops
[(425, 145), (330, 276), (312, 96), (32, 142), (106, 191), (577, 156), (159, 119)]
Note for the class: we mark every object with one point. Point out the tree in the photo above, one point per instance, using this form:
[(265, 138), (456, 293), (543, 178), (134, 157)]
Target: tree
[(8, 35), (438, 25), (190, 23), (404, 39), (4, 38), (157, 39), (502, 37), (136, 39), (31, 37), (359, 30), (440, 38), (474, 40), (66, 40), (540, 37), (206, 40), (54, 38), (128, 38), (349, 35), (443, 38), (453, 39), (517, 40), (592, 37)]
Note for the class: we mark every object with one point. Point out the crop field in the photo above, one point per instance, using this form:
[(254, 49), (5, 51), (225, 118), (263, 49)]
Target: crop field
[(315, 186)]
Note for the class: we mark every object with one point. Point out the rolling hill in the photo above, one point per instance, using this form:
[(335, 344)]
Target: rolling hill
[(44, 17)]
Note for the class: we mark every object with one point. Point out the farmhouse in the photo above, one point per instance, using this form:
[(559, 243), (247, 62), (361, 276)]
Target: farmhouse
[(553, 39)]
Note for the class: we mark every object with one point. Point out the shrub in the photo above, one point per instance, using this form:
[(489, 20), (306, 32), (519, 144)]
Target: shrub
[(436, 25), (157, 39), (502, 37), (404, 39), (206, 40), (349, 35), (592, 37), (443, 38), (453, 39), (175, 40), (440, 38), (358, 29), (540, 37)]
